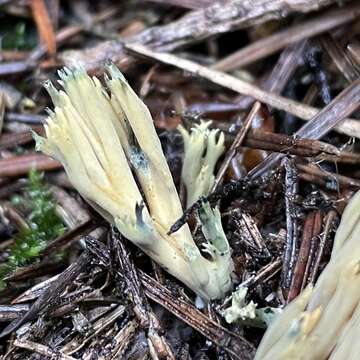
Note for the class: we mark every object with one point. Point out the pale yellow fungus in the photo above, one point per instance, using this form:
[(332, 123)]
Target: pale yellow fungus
[(111, 153), (324, 322), (202, 149)]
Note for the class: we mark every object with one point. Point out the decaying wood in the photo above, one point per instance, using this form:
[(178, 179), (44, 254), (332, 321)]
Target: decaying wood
[(264, 274), (284, 69), (12, 312), (188, 4), (329, 224), (80, 341), (249, 234), (341, 59)]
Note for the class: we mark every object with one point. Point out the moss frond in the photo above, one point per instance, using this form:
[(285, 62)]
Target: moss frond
[(44, 225)]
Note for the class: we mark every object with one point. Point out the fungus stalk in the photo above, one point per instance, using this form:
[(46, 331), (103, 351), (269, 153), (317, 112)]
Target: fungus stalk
[(111, 153), (324, 322)]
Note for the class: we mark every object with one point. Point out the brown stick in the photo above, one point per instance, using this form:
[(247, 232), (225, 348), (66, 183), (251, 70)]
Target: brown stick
[(64, 34), (44, 25), (41, 349), (288, 62), (329, 221), (286, 144), (292, 231), (349, 127), (312, 227), (197, 25), (21, 165), (277, 41), (236, 144), (327, 119), (9, 140), (233, 343), (339, 180), (340, 57)]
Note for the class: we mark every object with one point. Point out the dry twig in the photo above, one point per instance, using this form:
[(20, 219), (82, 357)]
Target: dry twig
[(348, 126)]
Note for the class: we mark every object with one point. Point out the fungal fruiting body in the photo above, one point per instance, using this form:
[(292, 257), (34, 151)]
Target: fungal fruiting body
[(324, 322), (202, 149), (109, 148)]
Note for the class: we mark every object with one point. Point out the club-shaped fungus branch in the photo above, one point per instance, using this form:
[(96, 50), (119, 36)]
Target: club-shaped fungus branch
[(202, 150), (324, 321), (111, 153)]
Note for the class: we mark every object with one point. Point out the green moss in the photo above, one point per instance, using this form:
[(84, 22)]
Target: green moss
[(44, 225), (17, 35)]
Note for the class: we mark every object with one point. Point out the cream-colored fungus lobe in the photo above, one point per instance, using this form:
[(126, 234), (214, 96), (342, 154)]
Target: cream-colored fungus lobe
[(324, 321), (107, 143)]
